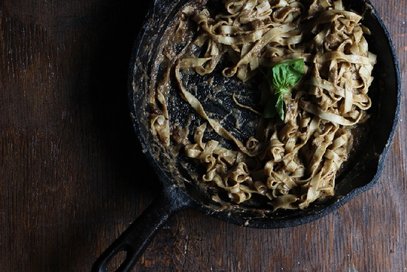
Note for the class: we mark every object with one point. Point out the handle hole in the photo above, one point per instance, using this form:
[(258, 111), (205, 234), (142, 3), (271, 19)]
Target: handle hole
[(116, 261)]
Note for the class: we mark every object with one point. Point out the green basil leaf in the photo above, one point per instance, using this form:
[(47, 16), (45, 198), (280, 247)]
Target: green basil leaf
[(287, 74), (280, 107), (282, 78)]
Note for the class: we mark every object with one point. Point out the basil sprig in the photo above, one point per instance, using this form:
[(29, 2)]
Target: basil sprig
[(282, 77)]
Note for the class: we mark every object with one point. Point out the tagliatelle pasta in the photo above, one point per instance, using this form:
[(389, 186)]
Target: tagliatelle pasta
[(294, 161)]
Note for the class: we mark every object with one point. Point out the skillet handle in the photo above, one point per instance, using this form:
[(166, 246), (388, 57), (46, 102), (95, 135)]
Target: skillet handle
[(140, 233)]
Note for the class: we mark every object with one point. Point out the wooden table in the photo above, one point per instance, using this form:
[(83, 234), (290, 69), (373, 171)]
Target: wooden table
[(69, 184)]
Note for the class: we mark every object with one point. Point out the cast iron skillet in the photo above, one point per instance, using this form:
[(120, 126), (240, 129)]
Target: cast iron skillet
[(177, 176)]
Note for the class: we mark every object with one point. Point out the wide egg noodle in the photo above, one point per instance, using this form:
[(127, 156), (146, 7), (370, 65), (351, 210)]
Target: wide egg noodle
[(297, 160)]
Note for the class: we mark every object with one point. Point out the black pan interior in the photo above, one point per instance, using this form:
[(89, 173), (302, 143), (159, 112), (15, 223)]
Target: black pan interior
[(149, 67)]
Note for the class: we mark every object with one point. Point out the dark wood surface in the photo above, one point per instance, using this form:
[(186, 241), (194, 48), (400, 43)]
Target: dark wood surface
[(70, 184)]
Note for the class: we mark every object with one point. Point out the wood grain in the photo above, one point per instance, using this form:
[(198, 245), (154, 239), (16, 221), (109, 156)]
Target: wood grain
[(70, 184)]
